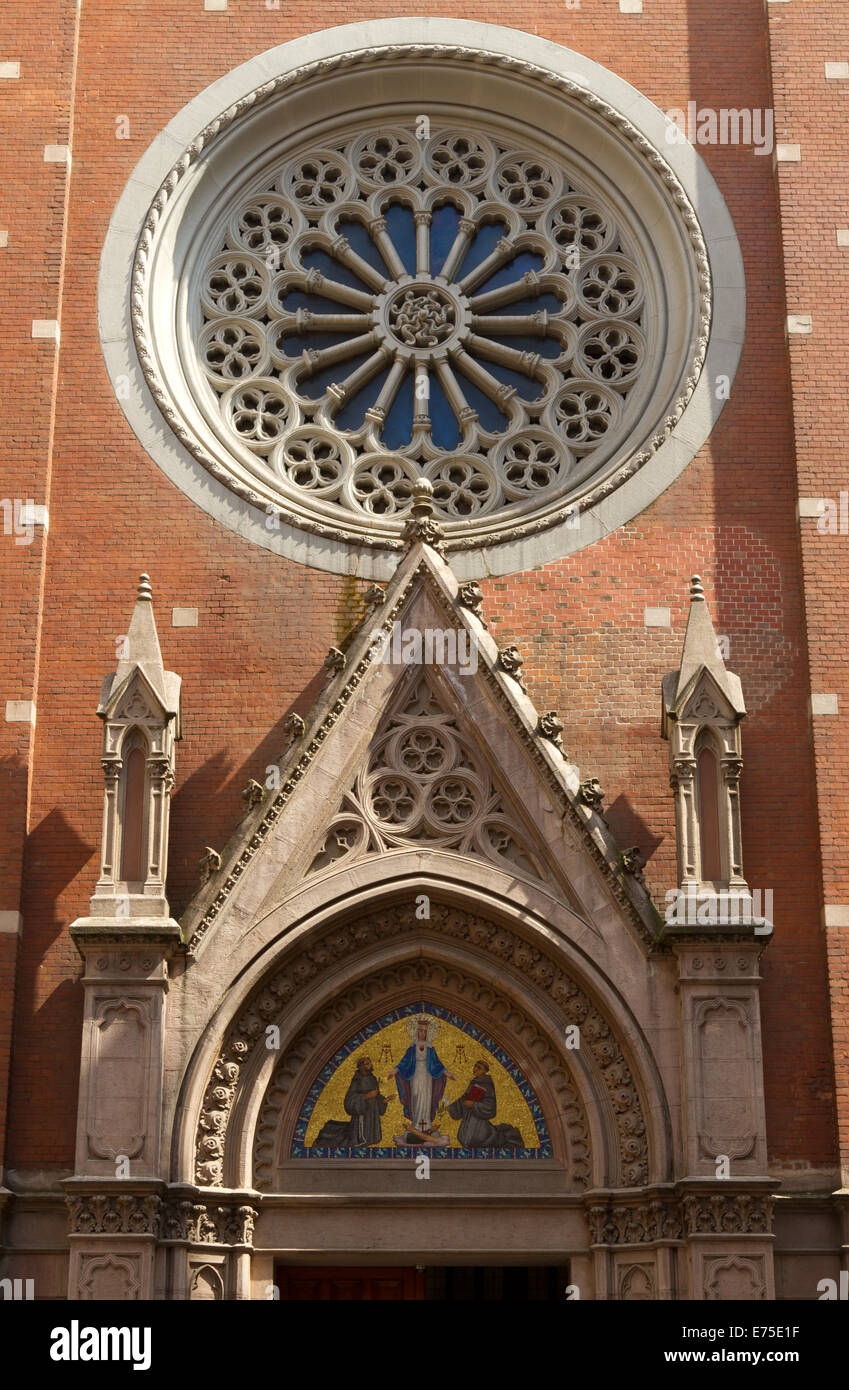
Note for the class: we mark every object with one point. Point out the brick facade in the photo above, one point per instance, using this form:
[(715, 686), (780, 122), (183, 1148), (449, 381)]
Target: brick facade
[(265, 623)]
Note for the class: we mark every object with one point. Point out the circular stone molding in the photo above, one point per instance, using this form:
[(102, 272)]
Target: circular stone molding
[(497, 275)]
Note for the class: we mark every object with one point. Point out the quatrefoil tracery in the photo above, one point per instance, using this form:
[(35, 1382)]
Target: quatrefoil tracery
[(390, 307)]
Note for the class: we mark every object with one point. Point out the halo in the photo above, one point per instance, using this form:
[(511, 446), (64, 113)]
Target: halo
[(413, 1026)]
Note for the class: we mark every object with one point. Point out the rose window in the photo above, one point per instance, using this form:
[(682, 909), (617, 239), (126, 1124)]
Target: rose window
[(420, 259), (385, 306)]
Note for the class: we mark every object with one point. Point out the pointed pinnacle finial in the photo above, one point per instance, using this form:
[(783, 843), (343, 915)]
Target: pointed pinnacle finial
[(697, 593), (422, 497), (145, 591)]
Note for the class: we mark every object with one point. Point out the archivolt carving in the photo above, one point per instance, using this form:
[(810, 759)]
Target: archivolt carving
[(268, 1003), (311, 1044), (423, 783), (264, 404)]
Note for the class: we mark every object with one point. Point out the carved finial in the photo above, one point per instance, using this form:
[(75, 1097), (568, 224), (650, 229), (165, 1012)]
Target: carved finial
[(210, 863), (145, 591), (591, 794), (512, 663), (421, 525), (294, 727), (697, 593), (334, 661), (551, 727), (374, 596), (253, 793)]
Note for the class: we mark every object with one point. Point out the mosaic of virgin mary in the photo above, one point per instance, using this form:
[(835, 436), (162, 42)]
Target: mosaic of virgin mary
[(421, 1076)]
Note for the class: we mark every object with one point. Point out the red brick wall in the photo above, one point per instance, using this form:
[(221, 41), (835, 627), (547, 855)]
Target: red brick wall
[(35, 110), (266, 623), (813, 112)]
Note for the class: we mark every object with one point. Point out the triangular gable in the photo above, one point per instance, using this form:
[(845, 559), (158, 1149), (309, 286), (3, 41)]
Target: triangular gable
[(513, 781)]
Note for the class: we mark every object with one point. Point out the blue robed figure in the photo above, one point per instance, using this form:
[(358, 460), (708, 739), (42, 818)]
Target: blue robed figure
[(420, 1076)]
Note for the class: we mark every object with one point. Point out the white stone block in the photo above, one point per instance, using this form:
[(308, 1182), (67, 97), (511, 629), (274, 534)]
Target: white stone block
[(788, 154), (20, 712), (215, 4), (810, 506), (57, 154), (4, 238), (836, 914), (631, 6), (11, 923), (10, 70), (800, 323), (184, 617), (843, 236), (837, 72), (657, 617), (45, 328), (824, 704), (35, 514)]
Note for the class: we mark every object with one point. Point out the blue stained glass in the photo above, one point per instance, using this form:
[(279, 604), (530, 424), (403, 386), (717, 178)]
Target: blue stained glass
[(444, 226), (317, 304), (528, 387), (314, 386), (352, 414), (511, 272), (402, 233), (334, 270), (295, 343), (491, 417), (546, 347), (529, 306), (482, 246), (398, 429), (445, 430), (360, 241)]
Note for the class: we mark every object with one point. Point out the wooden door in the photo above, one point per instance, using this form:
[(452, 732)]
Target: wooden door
[(319, 1282)]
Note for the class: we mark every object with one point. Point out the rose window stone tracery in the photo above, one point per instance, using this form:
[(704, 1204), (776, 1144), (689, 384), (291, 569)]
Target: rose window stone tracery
[(387, 306)]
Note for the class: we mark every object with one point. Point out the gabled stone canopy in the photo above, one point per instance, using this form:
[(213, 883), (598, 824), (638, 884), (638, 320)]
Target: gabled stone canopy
[(701, 667), (529, 797), (142, 658)]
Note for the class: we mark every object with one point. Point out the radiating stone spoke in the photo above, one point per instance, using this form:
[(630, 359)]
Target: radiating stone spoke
[(507, 325), (454, 392), (346, 390), (525, 362), (462, 241), (305, 321), (342, 251), (316, 283), (379, 411), (499, 392), (505, 251), (319, 358), (422, 221)]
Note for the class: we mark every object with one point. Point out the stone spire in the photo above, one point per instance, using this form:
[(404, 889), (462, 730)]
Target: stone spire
[(701, 653), (138, 650)]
